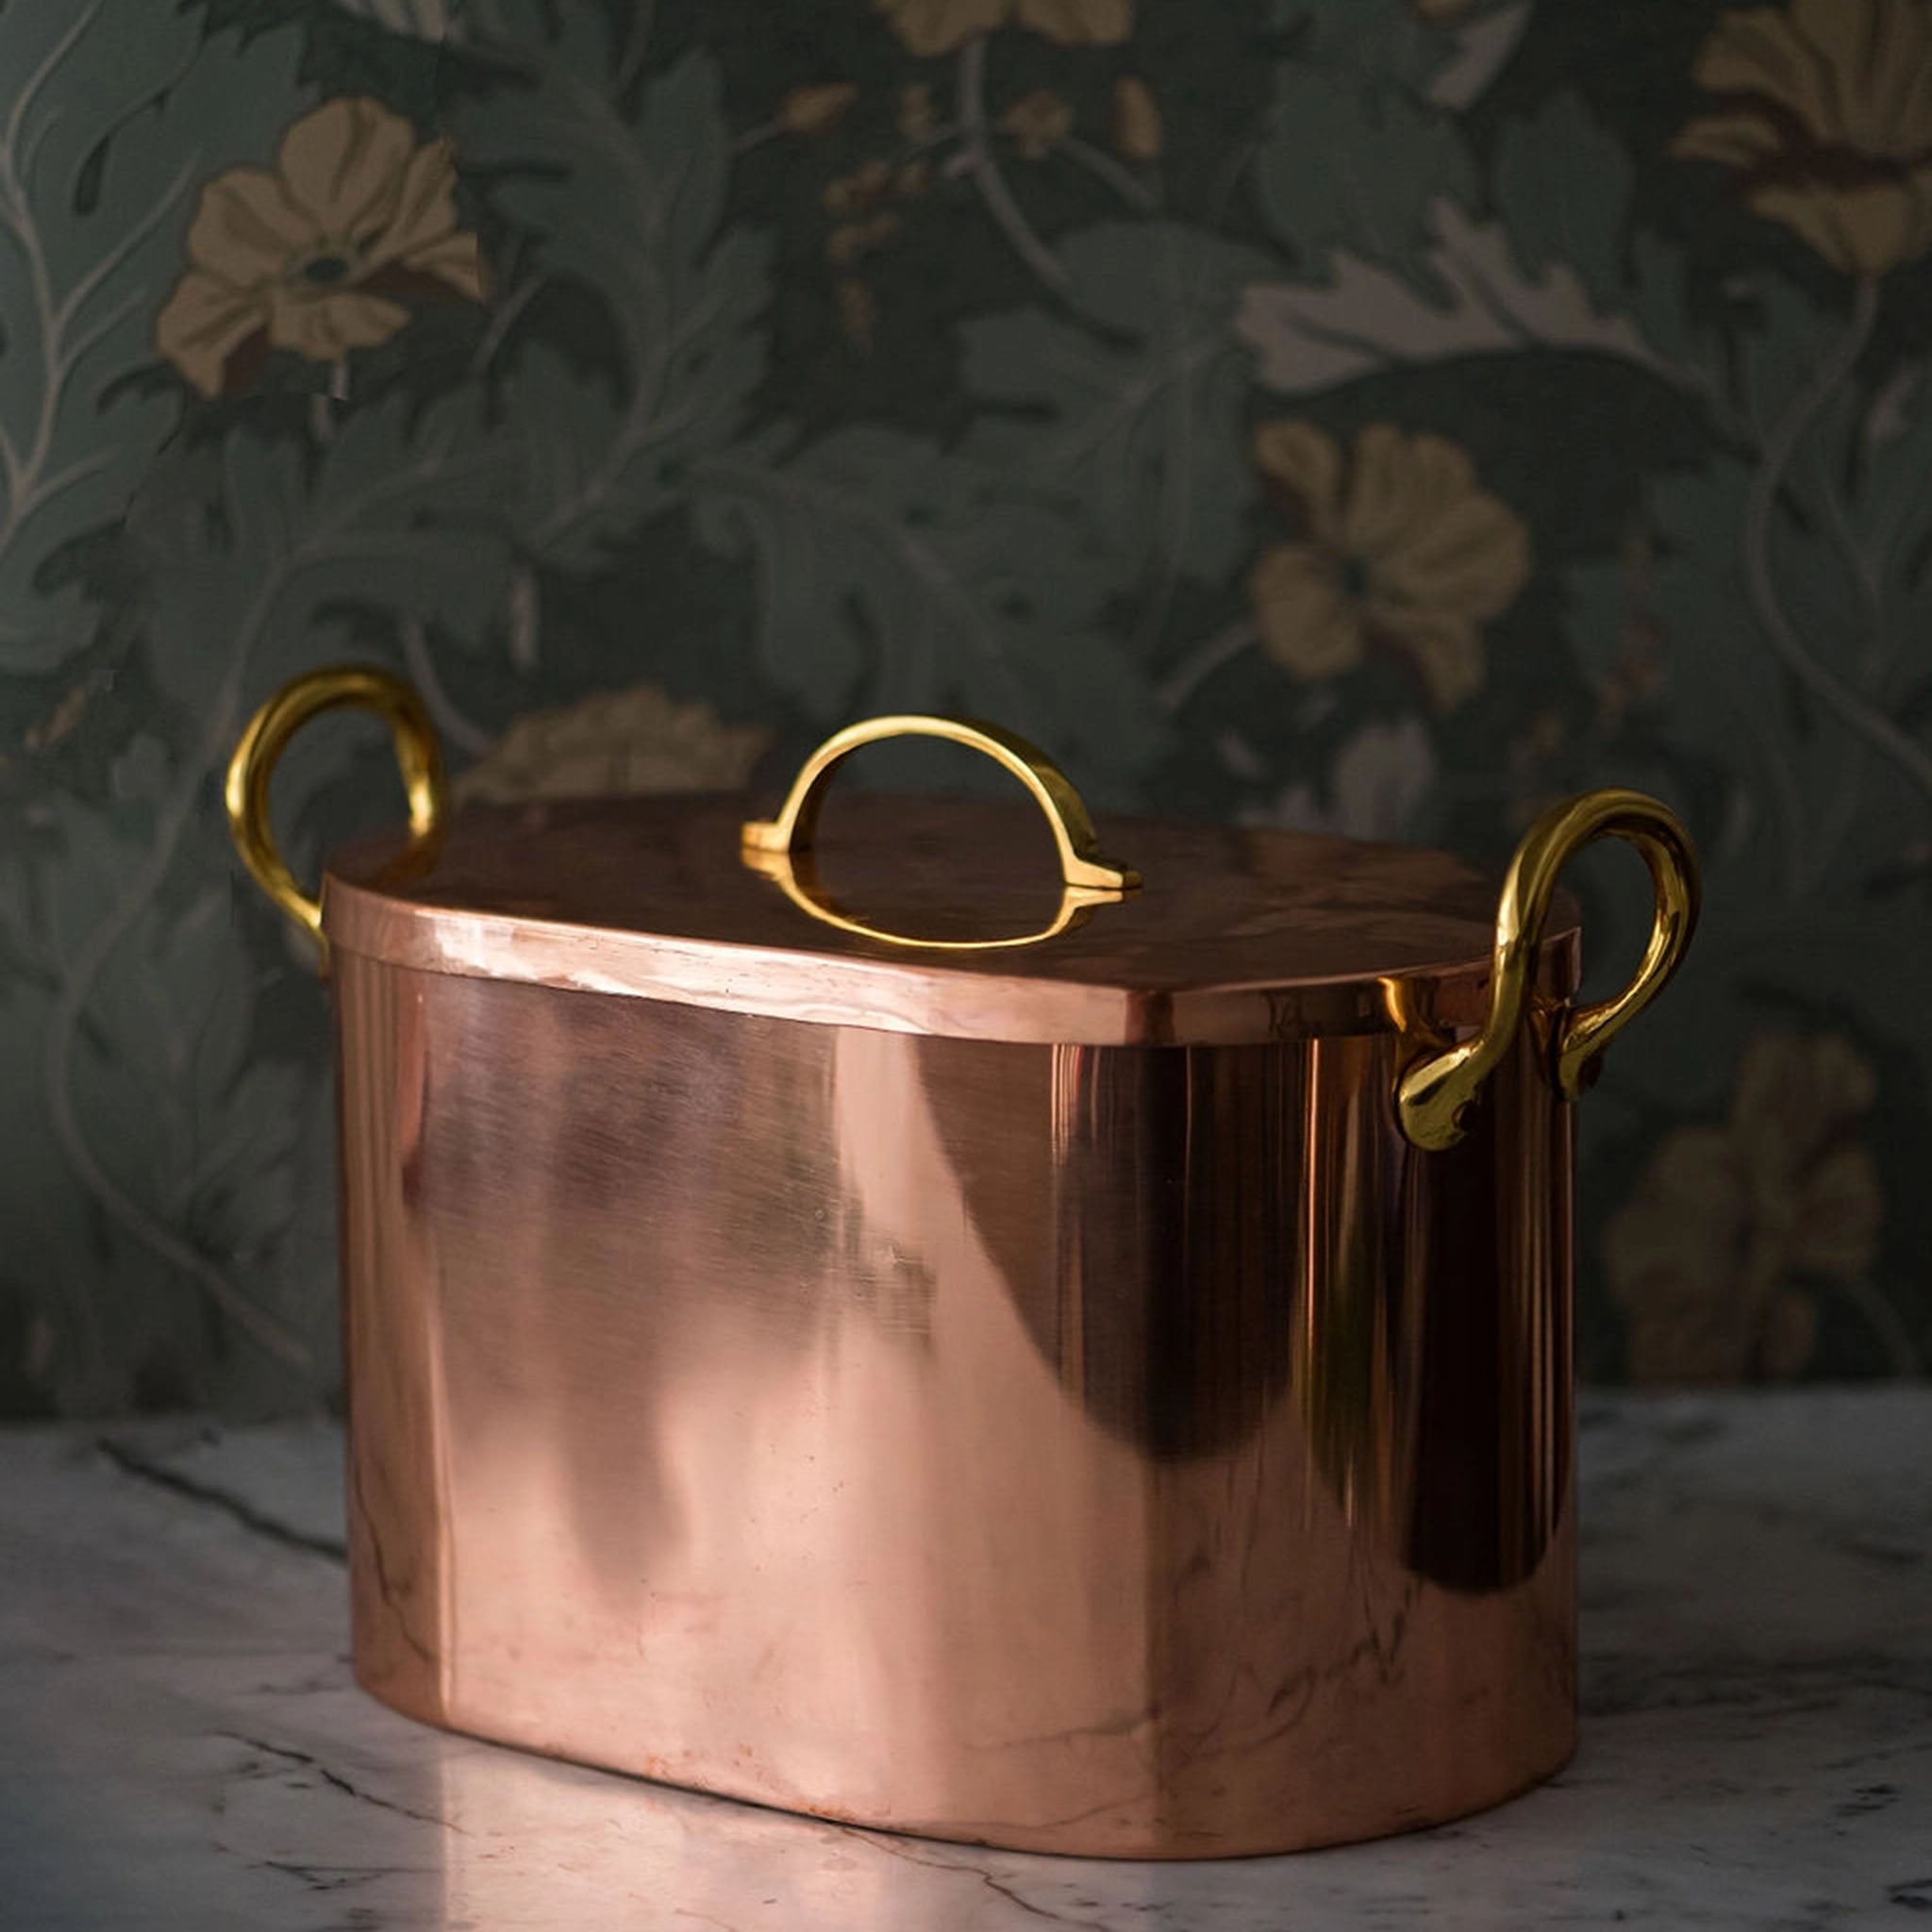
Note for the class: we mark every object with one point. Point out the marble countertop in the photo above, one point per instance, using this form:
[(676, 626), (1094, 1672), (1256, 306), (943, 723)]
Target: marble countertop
[(181, 1745)]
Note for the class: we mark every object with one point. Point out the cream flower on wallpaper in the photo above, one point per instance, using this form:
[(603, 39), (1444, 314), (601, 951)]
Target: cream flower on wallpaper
[(1038, 121), (1706, 1257), (1398, 549), (322, 254), (938, 26), (1826, 110), (1138, 129), (617, 742), (815, 109)]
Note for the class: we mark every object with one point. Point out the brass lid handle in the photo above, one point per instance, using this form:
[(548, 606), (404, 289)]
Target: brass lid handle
[(1434, 1095), (335, 687), (780, 847)]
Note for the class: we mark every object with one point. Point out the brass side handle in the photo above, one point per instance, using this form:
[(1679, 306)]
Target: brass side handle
[(335, 687), (1434, 1095), (781, 847)]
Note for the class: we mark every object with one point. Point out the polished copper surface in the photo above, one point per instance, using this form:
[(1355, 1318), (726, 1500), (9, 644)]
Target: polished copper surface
[(1098, 1448), (1235, 935)]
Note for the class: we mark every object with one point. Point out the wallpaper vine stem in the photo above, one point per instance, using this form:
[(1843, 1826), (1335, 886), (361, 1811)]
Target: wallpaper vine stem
[(974, 159), (1199, 664), (1781, 445)]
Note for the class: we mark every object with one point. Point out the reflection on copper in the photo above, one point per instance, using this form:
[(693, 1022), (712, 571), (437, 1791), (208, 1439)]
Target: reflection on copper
[(397, 1479), (1123, 1449), (1237, 936)]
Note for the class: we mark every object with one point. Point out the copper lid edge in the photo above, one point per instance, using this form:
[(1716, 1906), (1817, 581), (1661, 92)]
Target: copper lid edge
[(895, 996)]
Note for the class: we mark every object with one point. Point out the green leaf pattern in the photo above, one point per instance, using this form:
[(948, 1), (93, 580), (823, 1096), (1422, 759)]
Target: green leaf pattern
[(109, 113), (820, 374)]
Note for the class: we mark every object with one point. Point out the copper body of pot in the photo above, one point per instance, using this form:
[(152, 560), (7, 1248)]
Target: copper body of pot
[(1094, 1379)]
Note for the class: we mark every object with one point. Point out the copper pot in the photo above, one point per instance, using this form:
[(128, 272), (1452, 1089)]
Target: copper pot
[(1091, 1376)]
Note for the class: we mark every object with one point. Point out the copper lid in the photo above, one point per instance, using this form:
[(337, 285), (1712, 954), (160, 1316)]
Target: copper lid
[(1235, 934)]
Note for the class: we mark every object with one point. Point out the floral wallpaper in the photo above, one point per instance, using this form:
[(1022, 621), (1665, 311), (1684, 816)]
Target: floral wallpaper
[(1385, 415)]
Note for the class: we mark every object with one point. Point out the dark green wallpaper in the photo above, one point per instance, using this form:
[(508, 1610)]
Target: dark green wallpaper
[(1385, 417)]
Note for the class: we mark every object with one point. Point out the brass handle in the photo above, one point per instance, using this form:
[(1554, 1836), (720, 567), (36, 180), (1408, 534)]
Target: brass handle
[(780, 847), (1434, 1095), (335, 687)]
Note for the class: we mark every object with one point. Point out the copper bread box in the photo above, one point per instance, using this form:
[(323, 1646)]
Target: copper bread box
[(832, 1323)]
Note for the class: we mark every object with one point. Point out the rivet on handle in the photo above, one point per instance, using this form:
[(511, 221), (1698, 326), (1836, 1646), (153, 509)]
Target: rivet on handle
[(1434, 1095)]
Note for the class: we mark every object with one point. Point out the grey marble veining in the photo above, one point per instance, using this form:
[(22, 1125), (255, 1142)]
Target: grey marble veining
[(182, 1746)]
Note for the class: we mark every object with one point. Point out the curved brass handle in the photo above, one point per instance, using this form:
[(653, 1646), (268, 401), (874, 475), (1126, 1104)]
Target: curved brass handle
[(361, 686), (781, 848), (1434, 1095)]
